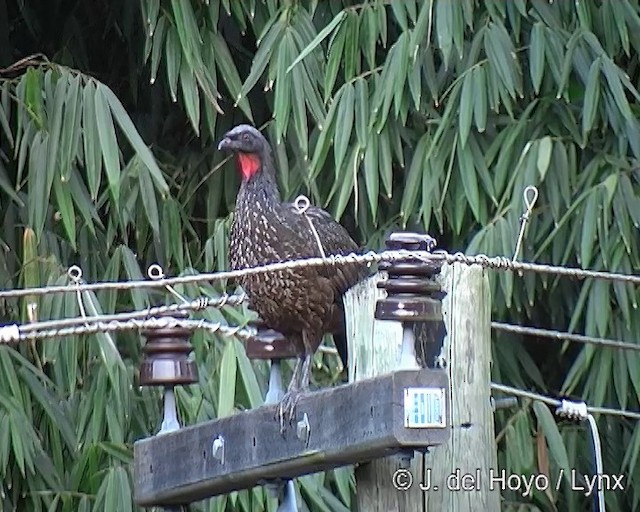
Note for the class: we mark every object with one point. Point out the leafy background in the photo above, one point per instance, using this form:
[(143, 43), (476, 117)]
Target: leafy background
[(435, 115)]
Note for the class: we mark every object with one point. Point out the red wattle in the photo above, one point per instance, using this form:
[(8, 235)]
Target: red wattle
[(248, 164)]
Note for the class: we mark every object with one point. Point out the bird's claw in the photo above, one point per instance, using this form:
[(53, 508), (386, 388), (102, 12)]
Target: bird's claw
[(287, 408)]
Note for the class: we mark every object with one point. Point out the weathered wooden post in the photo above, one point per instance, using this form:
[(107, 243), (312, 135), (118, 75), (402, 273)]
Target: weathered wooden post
[(375, 346), (471, 449)]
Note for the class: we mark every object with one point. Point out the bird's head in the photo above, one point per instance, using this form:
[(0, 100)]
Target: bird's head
[(249, 146)]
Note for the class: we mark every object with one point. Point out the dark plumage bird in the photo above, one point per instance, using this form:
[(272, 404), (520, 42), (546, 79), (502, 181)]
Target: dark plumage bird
[(305, 303)]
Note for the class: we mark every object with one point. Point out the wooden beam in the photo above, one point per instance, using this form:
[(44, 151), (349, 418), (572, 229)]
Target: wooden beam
[(348, 424), (471, 449)]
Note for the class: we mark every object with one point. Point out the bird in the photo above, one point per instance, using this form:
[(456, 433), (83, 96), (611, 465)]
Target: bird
[(302, 303)]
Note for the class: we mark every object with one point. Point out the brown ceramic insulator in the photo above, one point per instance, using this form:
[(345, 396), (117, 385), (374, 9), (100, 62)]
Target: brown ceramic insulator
[(268, 344), (412, 293), (166, 356)]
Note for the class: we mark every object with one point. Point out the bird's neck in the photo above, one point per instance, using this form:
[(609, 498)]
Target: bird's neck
[(258, 179)]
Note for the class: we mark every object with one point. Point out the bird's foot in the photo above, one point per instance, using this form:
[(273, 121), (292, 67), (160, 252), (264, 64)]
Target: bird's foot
[(286, 409)]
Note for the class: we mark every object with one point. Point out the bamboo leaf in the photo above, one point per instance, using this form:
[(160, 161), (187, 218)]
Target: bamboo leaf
[(480, 98), (466, 108), (334, 61), (400, 14), (501, 53), (282, 100), (108, 142), (158, 45), (371, 175), (537, 55), (31, 276), (248, 375), (345, 114), (190, 96), (51, 408), (173, 55), (335, 23), (552, 435), (33, 96), (300, 112), (591, 98), (90, 139), (469, 180), (444, 28), (385, 165), (191, 42), (5, 184), (611, 72), (545, 147), (227, 391), (229, 73), (266, 46), (4, 117), (361, 103), (141, 149), (351, 45), (343, 477), (70, 127), (62, 194), (148, 198), (589, 224), (414, 177)]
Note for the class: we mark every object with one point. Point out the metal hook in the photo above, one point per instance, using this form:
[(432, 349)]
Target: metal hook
[(75, 275), (302, 205), (156, 273), (530, 202), (530, 196)]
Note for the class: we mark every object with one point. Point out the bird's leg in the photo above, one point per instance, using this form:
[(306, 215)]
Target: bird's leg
[(287, 404), (306, 372), (299, 383)]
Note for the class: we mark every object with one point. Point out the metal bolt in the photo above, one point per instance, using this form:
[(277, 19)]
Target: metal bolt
[(218, 449), (404, 459), (503, 403), (304, 429)]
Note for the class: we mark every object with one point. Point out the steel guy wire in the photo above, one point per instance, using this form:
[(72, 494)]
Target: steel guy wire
[(529, 203), (557, 403), (201, 303), (13, 333), (301, 205), (370, 257), (560, 335), (491, 262)]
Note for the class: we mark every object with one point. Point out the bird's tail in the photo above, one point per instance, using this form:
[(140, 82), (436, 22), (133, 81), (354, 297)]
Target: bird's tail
[(338, 329)]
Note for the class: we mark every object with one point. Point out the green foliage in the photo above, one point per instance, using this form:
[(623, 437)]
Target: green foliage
[(431, 115)]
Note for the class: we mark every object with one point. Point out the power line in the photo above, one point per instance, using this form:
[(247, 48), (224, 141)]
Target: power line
[(194, 305), (496, 263), (368, 258), (502, 263), (14, 333), (558, 403), (560, 336)]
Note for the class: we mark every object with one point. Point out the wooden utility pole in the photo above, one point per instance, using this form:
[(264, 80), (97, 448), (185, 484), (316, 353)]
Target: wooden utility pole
[(466, 355)]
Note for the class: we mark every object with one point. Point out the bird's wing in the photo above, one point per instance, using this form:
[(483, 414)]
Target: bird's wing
[(335, 241)]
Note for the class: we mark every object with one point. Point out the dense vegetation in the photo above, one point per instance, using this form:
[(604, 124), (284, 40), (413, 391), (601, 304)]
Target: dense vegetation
[(435, 115)]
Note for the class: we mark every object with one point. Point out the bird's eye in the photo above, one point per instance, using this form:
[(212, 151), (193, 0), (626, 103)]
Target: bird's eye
[(245, 137)]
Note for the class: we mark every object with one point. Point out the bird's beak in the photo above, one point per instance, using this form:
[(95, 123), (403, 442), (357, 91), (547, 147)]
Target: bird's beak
[(224, 144)]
